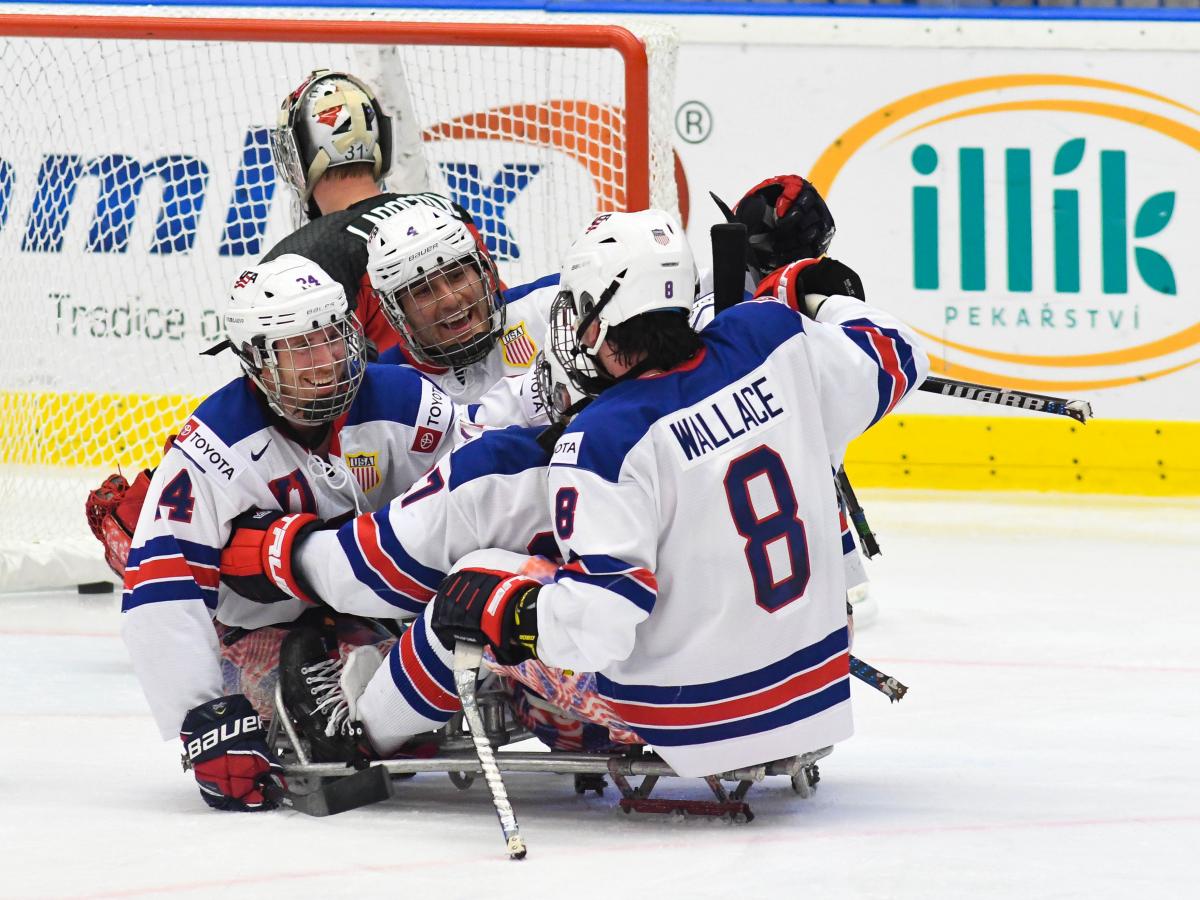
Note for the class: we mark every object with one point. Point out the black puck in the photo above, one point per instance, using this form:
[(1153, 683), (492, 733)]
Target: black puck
[(97, 587)]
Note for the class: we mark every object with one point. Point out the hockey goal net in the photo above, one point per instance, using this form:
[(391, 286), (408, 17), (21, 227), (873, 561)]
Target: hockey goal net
[(137, 182)]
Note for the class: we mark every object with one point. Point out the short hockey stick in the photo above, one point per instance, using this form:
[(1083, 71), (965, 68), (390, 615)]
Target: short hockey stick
[(467, 657), (729, 264), (888, 685), (866, 537), (1079, 410)]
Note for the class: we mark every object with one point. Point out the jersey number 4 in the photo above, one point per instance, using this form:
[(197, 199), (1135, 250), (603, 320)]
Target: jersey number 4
[(779, 534), (177, 498)]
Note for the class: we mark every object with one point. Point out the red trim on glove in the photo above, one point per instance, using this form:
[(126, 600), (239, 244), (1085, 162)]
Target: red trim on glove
[(277, 549), (781, 284)]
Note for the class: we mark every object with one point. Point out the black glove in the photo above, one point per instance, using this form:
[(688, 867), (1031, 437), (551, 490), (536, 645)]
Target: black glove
[(487, 606), (257, 559), (224, 744), (792, 283), (786, 219)]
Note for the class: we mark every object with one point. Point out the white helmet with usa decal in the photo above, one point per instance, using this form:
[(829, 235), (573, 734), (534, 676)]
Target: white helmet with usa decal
[(623, 265), (291, 328)]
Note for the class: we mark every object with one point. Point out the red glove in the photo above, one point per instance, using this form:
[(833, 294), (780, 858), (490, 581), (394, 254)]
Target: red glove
[(257, 559), (112, 513), (817, 279)]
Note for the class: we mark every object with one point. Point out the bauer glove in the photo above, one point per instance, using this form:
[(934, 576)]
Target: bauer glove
[(225, 745)]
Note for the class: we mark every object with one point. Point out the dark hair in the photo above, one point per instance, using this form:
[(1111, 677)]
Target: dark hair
[(349, 170), (658, 340)]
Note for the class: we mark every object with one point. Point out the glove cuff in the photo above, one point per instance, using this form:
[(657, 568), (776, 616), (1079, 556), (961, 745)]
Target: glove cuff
[(499, 608), (278, 547)]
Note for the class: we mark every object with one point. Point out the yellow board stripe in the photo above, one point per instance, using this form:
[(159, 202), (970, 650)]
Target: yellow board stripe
[(1118, 456), (915, 451)]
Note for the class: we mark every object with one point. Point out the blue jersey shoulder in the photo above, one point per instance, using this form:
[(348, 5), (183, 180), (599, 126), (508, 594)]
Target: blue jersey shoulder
[(389, 393), (392, 356), (737, 342), (507, 451), (513, 294), (234, 412)]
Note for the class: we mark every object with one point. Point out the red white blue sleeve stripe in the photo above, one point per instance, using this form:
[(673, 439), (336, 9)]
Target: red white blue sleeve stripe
[(633, 583), (380, 562), (801, 685), (894, 356), (167, 568), (422, 674)]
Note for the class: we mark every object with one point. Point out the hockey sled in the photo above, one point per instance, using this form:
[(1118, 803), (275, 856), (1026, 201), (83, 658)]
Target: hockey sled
[(455, 756)]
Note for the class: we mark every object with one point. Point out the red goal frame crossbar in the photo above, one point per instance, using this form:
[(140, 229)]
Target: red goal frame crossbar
[(334, 31)]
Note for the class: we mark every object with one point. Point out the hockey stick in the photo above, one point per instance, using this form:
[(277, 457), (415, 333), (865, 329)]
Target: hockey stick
[(467, 657), (886, 684), (1079, 410), (729, 264), (866, 536)]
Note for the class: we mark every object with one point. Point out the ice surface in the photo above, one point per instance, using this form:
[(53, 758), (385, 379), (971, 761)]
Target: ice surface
[(1047, 749)]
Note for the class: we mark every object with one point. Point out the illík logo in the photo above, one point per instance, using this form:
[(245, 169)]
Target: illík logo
[(1034, 227), (1015, 166)]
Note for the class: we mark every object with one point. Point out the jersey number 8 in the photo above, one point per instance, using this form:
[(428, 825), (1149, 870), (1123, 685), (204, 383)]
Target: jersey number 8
[(763, 532)]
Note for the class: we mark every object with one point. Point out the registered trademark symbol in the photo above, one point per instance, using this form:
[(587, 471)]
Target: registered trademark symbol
[(693, 122)]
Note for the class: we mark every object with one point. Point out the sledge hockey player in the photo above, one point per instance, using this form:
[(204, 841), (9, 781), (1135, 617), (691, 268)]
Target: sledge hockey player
[(439, 289), (646, 606), (786, 220), (311, 430)]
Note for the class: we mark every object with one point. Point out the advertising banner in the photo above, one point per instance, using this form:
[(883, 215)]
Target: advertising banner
[(1033, 213)]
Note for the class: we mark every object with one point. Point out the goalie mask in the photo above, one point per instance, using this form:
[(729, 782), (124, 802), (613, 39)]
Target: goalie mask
[(623, 265), (332, 119), (437, 286), (290, 326)]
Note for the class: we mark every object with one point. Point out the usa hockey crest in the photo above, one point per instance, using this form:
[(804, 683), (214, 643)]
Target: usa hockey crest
[(518, 347), (365, 468)]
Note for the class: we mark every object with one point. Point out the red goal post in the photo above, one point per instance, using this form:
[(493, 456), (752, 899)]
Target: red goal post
[(137, 182)]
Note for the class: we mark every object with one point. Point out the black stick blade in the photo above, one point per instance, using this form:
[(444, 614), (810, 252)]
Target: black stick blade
[(729, 264)]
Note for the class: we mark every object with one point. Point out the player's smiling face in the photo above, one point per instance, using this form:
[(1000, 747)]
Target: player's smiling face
[(310, 369), (448, 307)]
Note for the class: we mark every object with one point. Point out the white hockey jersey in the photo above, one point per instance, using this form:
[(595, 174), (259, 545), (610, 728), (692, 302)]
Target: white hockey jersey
[(697, 514), (489, 493), (527, 314), (233, 455)]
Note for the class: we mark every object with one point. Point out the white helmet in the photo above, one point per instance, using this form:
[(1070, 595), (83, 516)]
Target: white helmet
[(623, 265), (331, 119), (290, 326), (436, 285)]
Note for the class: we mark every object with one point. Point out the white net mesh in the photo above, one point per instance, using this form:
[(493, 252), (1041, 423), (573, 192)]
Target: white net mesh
[(137, 182)]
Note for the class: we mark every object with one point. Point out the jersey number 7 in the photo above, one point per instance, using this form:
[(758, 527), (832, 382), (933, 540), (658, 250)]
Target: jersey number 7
[(763, 468)]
